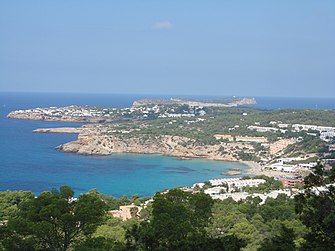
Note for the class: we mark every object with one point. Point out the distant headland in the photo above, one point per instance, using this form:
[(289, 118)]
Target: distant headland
[(281, 140), (139, 110), (222, 102)]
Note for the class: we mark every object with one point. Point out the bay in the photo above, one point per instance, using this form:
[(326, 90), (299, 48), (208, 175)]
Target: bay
[(29, 161)]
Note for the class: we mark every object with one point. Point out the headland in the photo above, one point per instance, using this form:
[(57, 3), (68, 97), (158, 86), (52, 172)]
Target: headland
[(276, 142)]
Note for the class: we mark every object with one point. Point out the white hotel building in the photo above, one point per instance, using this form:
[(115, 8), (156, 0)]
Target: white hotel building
[(236, 183), (326, 132)]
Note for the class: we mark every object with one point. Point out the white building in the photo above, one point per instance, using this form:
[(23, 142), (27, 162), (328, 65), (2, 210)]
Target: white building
[(243, 195), (326, 132), (327, 135), (282, 168), (235, 196), (215, 190), (307, 165), (263, 128), (236, 183), (200, 185)]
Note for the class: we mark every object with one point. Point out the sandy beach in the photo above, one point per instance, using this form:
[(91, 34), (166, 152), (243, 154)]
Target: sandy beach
[(257, 169)]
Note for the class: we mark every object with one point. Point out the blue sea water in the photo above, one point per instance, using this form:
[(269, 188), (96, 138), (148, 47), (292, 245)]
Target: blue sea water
[(29, 161), (275, 103)]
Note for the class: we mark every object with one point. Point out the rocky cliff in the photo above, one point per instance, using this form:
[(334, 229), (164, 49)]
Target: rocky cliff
[(165, 144), (32, 116)]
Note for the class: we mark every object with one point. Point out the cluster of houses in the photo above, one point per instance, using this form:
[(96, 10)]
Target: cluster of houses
[(74, 111), (283, 165), (191, 112), (221, 189), (326, 133), (88, 111), (244, 195), (235, 183), (224, 188), (264, 129)]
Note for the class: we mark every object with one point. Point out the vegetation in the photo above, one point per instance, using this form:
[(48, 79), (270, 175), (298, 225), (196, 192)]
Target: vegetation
[(245, 156), (316, 208), (182, 217), (10, 201), (234, 121), (53, 221), (175, 220), (269, 185), (114, 203), (309, 144), (219, 120)]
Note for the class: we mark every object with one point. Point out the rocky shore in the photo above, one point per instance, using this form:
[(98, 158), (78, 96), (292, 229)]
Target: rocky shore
[(34, 116), (174, 146), (93, 141), (59, 130), (94, 144), (99, 139)]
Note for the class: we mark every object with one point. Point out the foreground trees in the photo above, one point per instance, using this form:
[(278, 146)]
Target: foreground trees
[(9, 202), (178, 219), (53, 221), (174, 220), (178, 222), (316, 207)]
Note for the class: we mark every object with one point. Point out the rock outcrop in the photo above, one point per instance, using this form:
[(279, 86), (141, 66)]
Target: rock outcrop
[(167, 145), (34, 116), (59, 130)]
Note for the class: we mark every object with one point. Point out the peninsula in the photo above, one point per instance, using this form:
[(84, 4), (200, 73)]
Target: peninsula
[(141, 109), (288, 140)]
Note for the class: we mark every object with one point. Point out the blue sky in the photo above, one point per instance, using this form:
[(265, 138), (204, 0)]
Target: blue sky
[(208, 47)]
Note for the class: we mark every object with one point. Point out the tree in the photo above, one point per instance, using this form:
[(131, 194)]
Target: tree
[(280, 208), (99, 244), (316, 207), (54, 220), (9, 202), (178, 223), (284, 241)]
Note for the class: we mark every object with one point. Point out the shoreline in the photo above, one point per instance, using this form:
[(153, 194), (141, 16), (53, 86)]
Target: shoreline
[(256, 169), (253, 168), (73, 130)]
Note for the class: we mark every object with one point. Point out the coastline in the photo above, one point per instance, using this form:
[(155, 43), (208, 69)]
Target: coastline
[(253, 168), (102, 146), (74, 130), (256, 169), (18, 136)]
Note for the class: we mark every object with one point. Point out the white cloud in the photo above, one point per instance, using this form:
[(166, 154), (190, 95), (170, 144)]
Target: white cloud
[(163, 26)]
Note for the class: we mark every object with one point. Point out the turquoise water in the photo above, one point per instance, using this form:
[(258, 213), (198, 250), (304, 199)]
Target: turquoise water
[(29, 161)]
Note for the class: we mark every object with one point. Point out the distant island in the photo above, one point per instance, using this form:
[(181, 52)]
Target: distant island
[(286, 141), (222, 102)]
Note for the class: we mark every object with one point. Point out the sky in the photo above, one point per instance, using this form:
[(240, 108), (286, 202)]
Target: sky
[(210, 47)]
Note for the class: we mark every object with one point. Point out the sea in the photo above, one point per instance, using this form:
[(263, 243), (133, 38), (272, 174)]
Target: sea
[(30, 161)]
